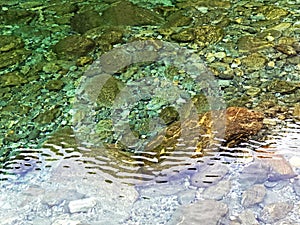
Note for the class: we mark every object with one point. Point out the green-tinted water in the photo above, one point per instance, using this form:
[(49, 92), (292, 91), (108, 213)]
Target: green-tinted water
[(98, 93)]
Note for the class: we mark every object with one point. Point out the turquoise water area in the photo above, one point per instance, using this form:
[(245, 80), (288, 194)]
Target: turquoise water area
[(149, 112)]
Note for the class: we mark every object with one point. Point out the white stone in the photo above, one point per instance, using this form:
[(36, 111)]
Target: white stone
[(295, 161), (82, 205)]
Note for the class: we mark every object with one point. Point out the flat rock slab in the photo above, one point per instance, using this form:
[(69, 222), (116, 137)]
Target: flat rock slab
[(205, 212)]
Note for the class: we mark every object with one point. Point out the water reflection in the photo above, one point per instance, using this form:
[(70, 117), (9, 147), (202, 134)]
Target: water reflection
[(129, 168)]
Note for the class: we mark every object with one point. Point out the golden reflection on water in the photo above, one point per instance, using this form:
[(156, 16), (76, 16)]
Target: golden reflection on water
[(115, 164)]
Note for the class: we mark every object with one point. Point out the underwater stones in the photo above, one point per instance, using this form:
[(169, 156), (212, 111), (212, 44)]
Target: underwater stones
[(177, 19), (296, 111), (13, 57), (104, 129), (204, 212), (272, 169), (209, 175), (286, 47), (279, 168), (9, 42), (254, 61), (12, 51), (54, 85), (203, 3), (17, 16), (82, 205), (48, 116), (201, 35), (296, 186), (242, 123), (254, 173), (82, 22), (124, 13), (252, 44), (282, 86), (169, 115), (247, 217), (12, 79), (108, 92), (106, 36), (253, 195), (218, 191), (275, 211), (63, 8), (272, 12), (72, 47), (200, 101), (233, 125)]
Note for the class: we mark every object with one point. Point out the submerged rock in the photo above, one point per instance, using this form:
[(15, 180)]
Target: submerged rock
[(271, 169), (82, 22), (202, 212), (73, 47), (125, 13), (232, 125), (253, 195), (275, 211), (202, 35)]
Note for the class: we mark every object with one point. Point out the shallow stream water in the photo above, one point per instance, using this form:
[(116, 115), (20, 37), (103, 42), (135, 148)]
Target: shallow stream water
[(87, 85)]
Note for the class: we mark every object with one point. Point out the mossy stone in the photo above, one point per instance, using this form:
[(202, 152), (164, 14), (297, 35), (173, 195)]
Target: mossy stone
[(109, 92), (169, 115)]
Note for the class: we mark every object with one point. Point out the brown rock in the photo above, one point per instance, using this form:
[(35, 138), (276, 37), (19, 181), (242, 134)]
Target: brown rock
[(272, 12), (82, 22), (242, 123), (127, 14), (296, 112), (250, 43), (233, 125), (177, 19), (255, 61), (202, 35), (286, 49), (203, 3), (73, 47)]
